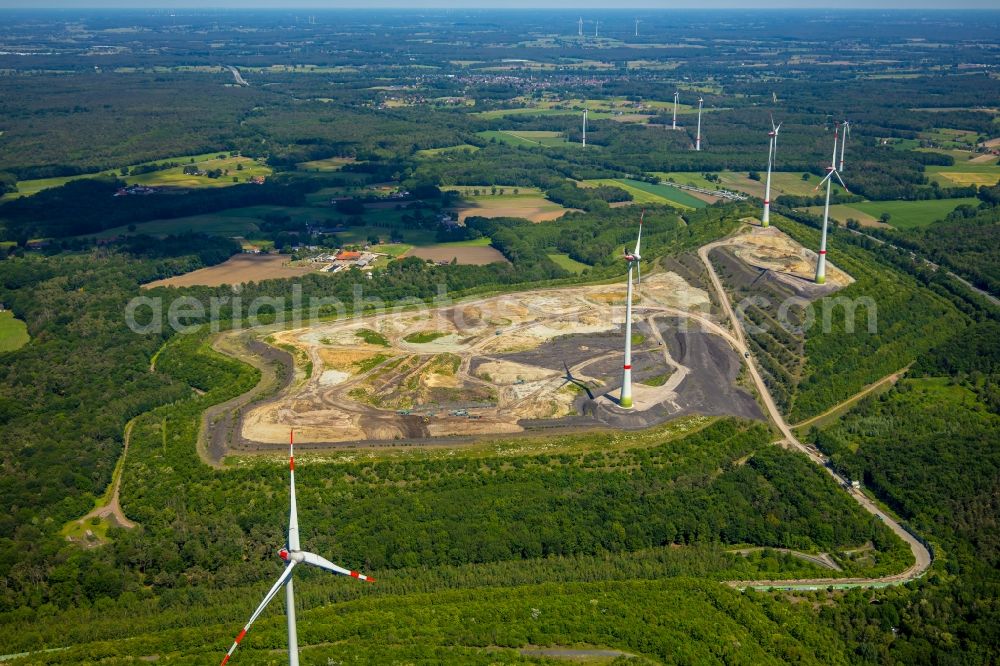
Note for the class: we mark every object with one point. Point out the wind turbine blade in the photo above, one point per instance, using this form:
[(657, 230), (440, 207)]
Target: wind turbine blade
[(840, 179), (323, 563), (293, 512), (260, 609), (638, 240), (638, 279), (828, 176)]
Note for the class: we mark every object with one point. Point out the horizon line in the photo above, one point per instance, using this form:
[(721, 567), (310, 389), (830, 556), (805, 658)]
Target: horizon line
[(397, 5)]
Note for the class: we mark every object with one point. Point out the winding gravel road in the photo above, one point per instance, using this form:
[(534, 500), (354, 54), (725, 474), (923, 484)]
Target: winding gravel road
[(921, 555)]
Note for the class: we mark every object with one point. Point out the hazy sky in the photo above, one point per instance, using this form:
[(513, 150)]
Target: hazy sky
[(505, 4)]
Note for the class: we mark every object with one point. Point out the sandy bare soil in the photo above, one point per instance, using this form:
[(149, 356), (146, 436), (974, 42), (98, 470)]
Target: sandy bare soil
[(237, 269), (477, 256), (487, 367), (773, 250)]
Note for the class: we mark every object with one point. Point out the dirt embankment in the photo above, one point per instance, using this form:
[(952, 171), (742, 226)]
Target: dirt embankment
[(222, 424)]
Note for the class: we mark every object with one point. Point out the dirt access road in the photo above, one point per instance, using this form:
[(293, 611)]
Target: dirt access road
[(922, 557), (111, 509)]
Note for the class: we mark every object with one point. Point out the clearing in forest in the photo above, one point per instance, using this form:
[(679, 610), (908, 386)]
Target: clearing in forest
[(500, 364), (13, 332)]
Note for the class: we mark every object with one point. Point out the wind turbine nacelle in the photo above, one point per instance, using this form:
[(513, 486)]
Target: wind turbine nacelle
[(291, 556), (632, 257)]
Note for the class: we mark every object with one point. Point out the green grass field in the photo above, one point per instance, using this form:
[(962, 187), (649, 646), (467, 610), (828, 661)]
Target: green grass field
[(782, 182), (671, 195), (951, 138), (432, 152), (647, 193), (965, 173), (13, 332), (903, 214), (566, 262), (526, 138), (173, 177), (638, 196), (328, 164)]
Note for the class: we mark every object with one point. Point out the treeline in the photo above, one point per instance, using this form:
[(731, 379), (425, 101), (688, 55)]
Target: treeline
[(597, 240), (88, 206)]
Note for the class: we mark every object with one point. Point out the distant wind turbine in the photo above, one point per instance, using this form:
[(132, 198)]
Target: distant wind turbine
[(585, 128), (293, 555), (697, 140), (633, 259), (579, 27), (637, 22), (677, 95), (831, 172), (843, 143), (772, 152)]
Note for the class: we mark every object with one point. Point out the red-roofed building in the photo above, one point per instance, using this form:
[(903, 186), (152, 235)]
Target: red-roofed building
[(346, 255)]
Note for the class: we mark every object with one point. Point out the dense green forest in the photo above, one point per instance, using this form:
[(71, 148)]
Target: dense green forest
[(929, 448), (193, 540), (489, 550)]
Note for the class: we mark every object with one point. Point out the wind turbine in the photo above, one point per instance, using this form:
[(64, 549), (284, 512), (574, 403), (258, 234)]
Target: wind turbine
[(585, 128), (843, 143), (697, 141), (772, 152), (637, 22), (597, 24), (579, 27), (677, 95), (831, 172), (633, 259), (292, 555)]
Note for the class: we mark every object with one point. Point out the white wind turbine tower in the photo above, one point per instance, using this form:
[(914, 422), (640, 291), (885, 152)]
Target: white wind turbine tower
[(697, 140), (831, 172), (597, 24), (579, 27), (843, 143), (585, 128), (637, 22), (677, 95), (293, 555), (772, 152), (633, 259)]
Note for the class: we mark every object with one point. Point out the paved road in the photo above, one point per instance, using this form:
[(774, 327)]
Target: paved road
[(922, 557)]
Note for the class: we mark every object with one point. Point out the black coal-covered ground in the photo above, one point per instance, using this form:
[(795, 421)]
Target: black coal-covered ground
[(708, 389), (570, 350)]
